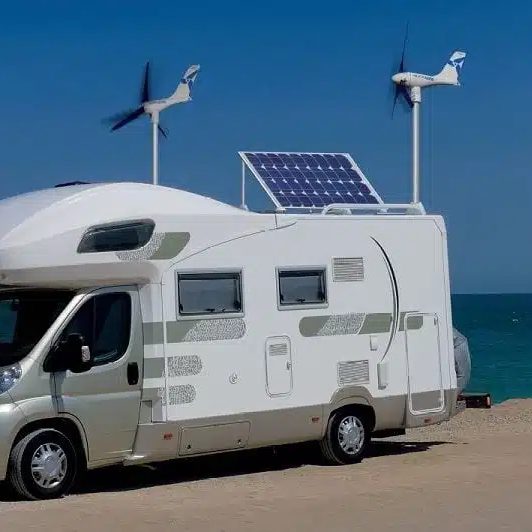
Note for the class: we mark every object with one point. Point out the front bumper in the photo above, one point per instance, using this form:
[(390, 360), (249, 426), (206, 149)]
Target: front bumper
[(11, 419)]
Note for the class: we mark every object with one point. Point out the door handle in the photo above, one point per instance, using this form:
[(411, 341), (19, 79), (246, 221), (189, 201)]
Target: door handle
[(288, 365), (132, 373)]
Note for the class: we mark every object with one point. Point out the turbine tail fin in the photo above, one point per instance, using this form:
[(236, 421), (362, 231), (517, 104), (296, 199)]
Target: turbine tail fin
[(450, 73), (182, 93)]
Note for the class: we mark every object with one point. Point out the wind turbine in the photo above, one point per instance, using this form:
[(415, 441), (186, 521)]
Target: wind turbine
[(408, 86), (153, 108)]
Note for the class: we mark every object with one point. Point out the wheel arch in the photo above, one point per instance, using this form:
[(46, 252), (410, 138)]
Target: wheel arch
[(68, 425), (362, 408)]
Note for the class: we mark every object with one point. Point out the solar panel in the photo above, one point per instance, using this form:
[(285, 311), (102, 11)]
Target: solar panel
[(310, 180)]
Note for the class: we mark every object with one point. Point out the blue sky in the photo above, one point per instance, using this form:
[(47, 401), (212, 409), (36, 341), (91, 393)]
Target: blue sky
[(284, 76)]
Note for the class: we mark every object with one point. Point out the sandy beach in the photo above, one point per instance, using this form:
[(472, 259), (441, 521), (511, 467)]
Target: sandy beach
[(473, 473)]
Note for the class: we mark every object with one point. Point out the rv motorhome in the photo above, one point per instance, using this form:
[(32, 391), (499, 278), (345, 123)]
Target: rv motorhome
[(141, 323)]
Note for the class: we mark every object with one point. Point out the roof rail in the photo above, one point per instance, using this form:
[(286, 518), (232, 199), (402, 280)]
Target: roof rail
[(377, 208)]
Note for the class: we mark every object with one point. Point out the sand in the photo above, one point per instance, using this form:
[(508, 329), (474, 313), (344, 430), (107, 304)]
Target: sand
[(473, 473)]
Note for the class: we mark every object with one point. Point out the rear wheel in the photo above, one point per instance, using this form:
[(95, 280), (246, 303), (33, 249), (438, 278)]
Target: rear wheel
[(347, 437), (43, 465)]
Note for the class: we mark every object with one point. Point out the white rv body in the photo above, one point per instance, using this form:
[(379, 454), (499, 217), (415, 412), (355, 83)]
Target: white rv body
[(380, 340)]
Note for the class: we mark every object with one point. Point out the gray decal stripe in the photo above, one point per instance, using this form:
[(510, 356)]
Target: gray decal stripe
[(309, 326), (171, 245), (215, 329), (339, 324), (153, 368), (376, 323), (153, 333), (210, 330), (414, 322), (162, 246)]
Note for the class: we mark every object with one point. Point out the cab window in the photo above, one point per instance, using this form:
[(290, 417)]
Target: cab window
[(104, 322)]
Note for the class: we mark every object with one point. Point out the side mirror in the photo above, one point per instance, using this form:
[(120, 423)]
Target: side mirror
[(70, 354), (78, 355)]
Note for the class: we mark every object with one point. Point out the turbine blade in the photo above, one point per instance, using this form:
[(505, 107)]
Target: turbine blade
[(117, 117), (406, 95), (163, 131), (145, 91), (129, 118), (402, 96), (402, 67)]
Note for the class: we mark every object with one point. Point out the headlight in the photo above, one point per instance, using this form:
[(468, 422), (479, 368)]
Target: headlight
[(9, 376)]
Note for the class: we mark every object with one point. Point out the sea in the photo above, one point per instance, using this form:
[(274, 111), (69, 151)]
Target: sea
[(498, 328)]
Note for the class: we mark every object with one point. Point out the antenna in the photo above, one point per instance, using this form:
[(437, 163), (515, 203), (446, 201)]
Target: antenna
[(407, 89), (153, 108)]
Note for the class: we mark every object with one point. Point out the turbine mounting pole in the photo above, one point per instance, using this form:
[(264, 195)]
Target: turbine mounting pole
[(155, 129), (415, 95)]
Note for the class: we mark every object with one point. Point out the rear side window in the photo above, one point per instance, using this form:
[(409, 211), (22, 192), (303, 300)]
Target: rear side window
[(301, 287), (209, 293), (117, 237)]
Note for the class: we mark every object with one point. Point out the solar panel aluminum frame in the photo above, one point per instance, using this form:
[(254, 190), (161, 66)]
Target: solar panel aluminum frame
[(247, 163)]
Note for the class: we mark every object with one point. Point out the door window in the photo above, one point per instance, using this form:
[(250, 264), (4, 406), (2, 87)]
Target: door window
[(105, 324)]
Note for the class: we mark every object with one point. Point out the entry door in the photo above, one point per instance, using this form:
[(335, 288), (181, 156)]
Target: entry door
[(106, 399), (278, 366), (425, 383)]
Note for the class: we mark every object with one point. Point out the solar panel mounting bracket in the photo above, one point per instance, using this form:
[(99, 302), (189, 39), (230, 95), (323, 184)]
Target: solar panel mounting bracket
[(379, 208)]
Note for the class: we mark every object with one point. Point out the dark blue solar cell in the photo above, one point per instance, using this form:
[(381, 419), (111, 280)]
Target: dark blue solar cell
[(322, 161), (297, 173), (272, 184), (299, 161), (309, 160), (332, 161), (342, 161), (285, 202)]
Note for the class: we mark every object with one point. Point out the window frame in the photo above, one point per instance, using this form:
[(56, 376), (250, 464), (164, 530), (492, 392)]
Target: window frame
[(318, 269), (236, 272), (123, 224), (74, 312)]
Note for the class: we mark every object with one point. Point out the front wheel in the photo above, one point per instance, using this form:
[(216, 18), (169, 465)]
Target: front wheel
[(346, 438), (43, 465)]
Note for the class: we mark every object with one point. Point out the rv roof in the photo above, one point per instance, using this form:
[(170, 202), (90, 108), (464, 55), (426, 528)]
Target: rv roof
[(78, 205)]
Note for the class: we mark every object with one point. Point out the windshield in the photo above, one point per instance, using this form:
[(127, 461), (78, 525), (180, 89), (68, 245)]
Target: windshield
[(25, 315)]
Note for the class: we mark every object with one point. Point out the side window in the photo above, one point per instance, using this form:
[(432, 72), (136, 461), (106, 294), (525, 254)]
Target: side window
[(209, 293), (302, 287), (105, 324)]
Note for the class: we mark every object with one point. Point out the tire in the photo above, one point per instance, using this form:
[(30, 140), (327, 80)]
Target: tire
[(346, 438), (58, 460)]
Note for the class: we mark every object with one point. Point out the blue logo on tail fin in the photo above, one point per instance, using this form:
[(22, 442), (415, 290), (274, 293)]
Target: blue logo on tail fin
[(457, 63)]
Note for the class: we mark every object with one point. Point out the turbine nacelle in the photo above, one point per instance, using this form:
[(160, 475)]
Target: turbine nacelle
[(414, 79), (180, 95), (449, 74)]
